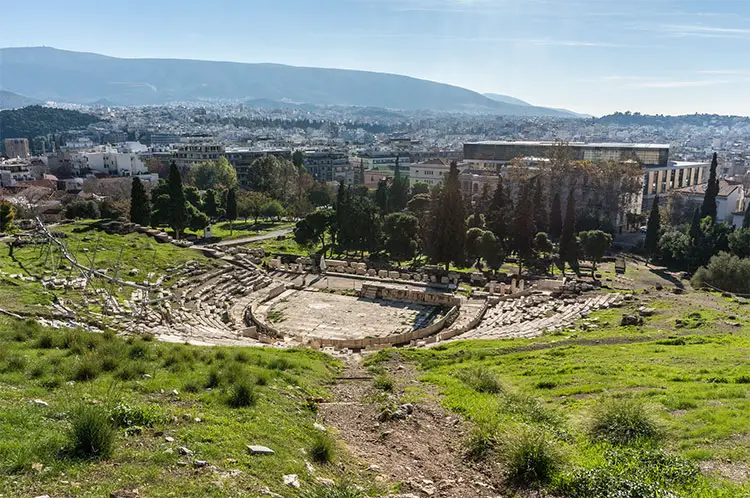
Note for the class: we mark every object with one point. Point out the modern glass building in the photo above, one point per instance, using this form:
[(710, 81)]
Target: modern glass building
[(492, 153)]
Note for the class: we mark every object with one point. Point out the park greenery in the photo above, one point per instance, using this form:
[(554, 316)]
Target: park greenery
[(45, 124)]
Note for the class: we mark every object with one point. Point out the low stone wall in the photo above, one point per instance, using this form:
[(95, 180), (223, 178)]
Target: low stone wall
[(391, 340), (261, 329), (275, 291), (411, 295)]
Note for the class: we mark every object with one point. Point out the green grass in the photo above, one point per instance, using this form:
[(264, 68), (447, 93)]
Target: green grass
[(242, 229), (141, 410), (138, 252), (676, 395)]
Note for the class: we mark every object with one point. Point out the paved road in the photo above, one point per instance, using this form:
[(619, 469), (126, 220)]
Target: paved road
[(254, 238)]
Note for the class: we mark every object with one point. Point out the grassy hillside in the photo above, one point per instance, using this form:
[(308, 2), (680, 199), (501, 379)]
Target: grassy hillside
[(636, 411), (157, 398)]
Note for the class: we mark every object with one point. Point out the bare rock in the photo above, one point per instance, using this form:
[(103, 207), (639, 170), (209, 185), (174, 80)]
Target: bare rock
[(631, 320), (184, 451), (291, 480), (257, 449)]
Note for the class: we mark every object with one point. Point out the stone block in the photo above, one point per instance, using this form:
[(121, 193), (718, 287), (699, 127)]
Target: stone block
[(382, 274), (444, 280), (372, 272)]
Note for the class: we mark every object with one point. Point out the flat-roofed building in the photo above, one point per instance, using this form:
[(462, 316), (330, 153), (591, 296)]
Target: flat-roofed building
[(384, 161), (329, 166), (189, 153), (493, 153), (241, 158), (431, 172)]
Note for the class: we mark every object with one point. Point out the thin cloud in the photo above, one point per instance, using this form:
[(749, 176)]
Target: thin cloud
[(703, 31)]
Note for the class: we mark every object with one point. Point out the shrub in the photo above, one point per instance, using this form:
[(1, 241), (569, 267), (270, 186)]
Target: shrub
[(87, 369), (383, 382), (214, 379), (322, 448), (482, 442), (138, 350), (128, 415), (622, 421), (241, 394), (45, 341), (530, 458), (191, 386), (38, 370), (742, 379), (130, 371), (15, 363), (91, 432), (279, 364), (481, 380), (726, 272)]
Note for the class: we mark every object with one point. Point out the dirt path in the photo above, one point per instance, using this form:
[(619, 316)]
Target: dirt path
[(422, 451), (254, 238)]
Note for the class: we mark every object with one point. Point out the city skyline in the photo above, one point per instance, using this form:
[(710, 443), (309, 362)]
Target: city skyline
[(669, 57)]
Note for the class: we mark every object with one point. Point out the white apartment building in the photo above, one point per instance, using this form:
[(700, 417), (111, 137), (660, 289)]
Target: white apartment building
[(431, 172), (730, 200), (107, 160)]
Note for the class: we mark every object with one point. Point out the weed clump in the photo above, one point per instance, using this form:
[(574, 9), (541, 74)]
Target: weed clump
[(622, 421), (530, 458), (481, 443), (91, 433), (87, 369), (481, 380), (384, 382), (322, 449), (241, 394), (129, 415)]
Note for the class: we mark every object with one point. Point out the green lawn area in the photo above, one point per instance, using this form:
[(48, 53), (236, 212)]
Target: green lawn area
[(243, 229), (151, 391), (693, 382), (138, 252)]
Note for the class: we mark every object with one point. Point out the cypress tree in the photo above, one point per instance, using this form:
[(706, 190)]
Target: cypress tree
[(448, 227), (652, 229), (140, 207), (523, 225), (746, 221), (178, 205), (398, 194), (541, 217), (556, 223), (231, 208), (712, 190), (568, 249), (497, 215), (381, 196)]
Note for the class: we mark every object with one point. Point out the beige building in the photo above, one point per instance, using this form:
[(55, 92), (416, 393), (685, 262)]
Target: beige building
[(431, 172), (677, 174), (187, 154), (16, 147)]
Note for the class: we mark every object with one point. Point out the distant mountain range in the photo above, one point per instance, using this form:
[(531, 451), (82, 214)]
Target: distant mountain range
[(10, 100), (50, 74)]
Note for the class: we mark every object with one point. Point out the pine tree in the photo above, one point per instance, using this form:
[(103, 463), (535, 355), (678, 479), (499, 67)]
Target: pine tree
[(523, 226), (712, 191), (231, 208), (556, 223), (447, 237), (541, 216), (653, 227), (140, 207), (178, 205), (568, 246)]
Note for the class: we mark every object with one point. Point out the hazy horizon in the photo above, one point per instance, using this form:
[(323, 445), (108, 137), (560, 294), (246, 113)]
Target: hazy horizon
[(588, 56)]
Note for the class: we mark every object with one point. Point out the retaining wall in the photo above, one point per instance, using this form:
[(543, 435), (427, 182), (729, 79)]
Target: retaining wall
[(391, 340)]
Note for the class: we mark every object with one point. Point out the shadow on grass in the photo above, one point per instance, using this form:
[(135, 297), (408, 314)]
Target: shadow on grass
[(663, 274)]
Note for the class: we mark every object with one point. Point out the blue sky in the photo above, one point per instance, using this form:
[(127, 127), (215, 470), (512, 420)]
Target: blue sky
[(594, 56)]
